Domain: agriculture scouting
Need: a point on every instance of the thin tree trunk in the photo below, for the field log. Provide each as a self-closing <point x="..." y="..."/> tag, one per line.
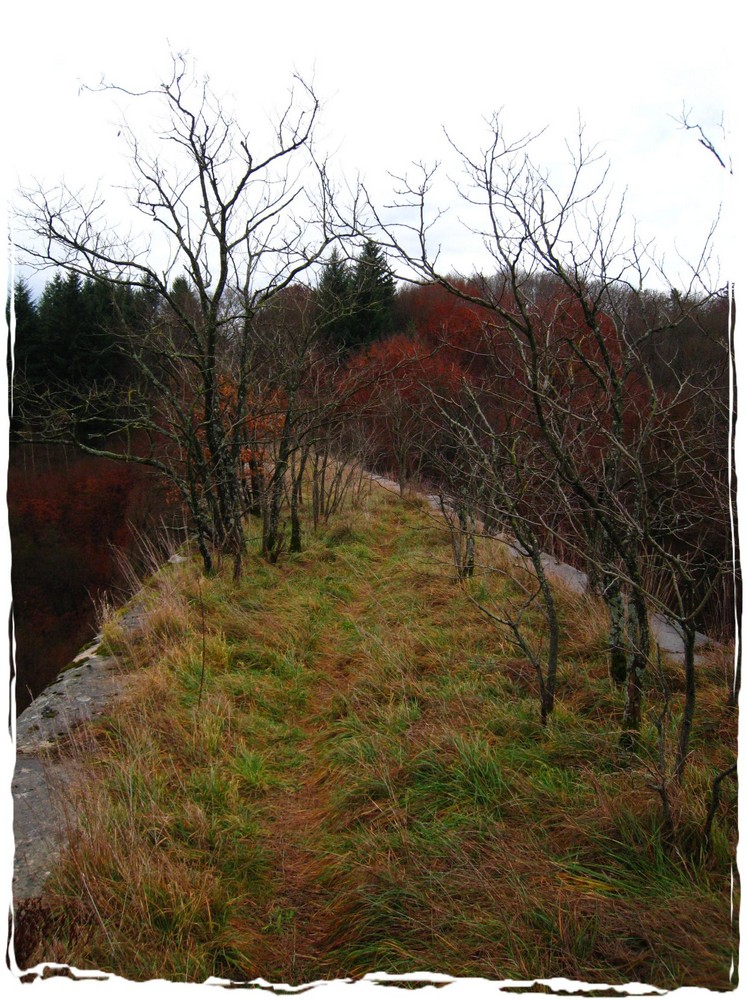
<point x="689" y="707"/>
<point x="636" y="670"/>
<point x="271" y="539"/>
<point x="613" y="597"/>
<point x="296" y="486"/>
<point x="547" y="684"/>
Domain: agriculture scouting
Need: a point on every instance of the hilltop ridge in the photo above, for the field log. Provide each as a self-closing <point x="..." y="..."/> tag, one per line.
<point x="337" y="765"/>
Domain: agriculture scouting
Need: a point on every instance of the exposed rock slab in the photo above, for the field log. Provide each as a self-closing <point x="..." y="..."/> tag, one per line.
<point x="42" y="777"/>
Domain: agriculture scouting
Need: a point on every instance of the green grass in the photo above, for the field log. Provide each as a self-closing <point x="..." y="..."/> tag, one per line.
<point x="337" y="765"/>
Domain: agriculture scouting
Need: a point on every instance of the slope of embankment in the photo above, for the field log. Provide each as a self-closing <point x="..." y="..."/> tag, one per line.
<point x="337" y="766"/>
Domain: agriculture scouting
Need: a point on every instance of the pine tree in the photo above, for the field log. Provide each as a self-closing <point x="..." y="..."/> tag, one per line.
<point x="374" y="291"/>
<point x="72" y="341"/>
<point x="26" y="332"/>
<point x="57" y="358"/>
<point x="23" y="352"/>
<point x="335" y="305"/>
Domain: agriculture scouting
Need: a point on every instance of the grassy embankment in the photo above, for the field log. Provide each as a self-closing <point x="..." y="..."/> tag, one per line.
<point x="361" y="783"/>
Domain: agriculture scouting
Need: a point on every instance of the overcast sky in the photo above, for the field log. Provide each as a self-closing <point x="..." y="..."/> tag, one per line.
<point x="392" y="76"/>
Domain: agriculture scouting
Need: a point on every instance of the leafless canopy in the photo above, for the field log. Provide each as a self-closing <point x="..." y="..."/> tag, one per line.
<point x="572" y="331"/>
<point x="223" y="230"/>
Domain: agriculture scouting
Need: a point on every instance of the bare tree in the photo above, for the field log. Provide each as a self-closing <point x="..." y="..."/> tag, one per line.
<point x="238" y="227"/>
<point x="689" y="500"/>
<point x="566" y="275"/>
<point x="494" y="471"/>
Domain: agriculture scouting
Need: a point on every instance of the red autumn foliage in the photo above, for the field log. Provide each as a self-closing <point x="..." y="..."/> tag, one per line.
<point x="405" y="366"/>
<point x="66" y="512"/>
<point x="441" y="319"/>
<point x="395" y="388"/>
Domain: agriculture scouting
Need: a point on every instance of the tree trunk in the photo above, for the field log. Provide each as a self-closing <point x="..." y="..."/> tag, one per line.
<point x="271" y="535"/>
<point x="296" y="487"/>
<point x="547" y="684"/>
<point x="689" y="666"/>
<point x="613" y="597"/>
<point x="638" y="620"/>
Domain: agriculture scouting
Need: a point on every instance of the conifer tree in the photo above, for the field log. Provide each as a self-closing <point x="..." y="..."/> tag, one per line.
<point x="26" y="333"/>
<point x="71" y="341"/>
<point x="24" y="344"/>
<point x="335" y="302"/>
<point x="374" y="291"/>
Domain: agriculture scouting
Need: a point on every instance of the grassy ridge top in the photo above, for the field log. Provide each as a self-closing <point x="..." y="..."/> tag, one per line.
<point x="337" y="766"/>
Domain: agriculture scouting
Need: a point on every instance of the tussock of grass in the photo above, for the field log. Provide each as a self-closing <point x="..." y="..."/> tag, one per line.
<point x="337" y="765"/>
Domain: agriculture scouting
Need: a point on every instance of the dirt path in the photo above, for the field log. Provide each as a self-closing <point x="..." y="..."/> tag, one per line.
<point x="300" y="921"/>
<point x="297" y="919"/>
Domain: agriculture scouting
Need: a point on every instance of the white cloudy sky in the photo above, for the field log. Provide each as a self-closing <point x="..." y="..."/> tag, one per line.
<point x="392" y="74"/>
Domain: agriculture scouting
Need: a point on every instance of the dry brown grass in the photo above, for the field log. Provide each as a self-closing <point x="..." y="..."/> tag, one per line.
<point x="362" y="782"/>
